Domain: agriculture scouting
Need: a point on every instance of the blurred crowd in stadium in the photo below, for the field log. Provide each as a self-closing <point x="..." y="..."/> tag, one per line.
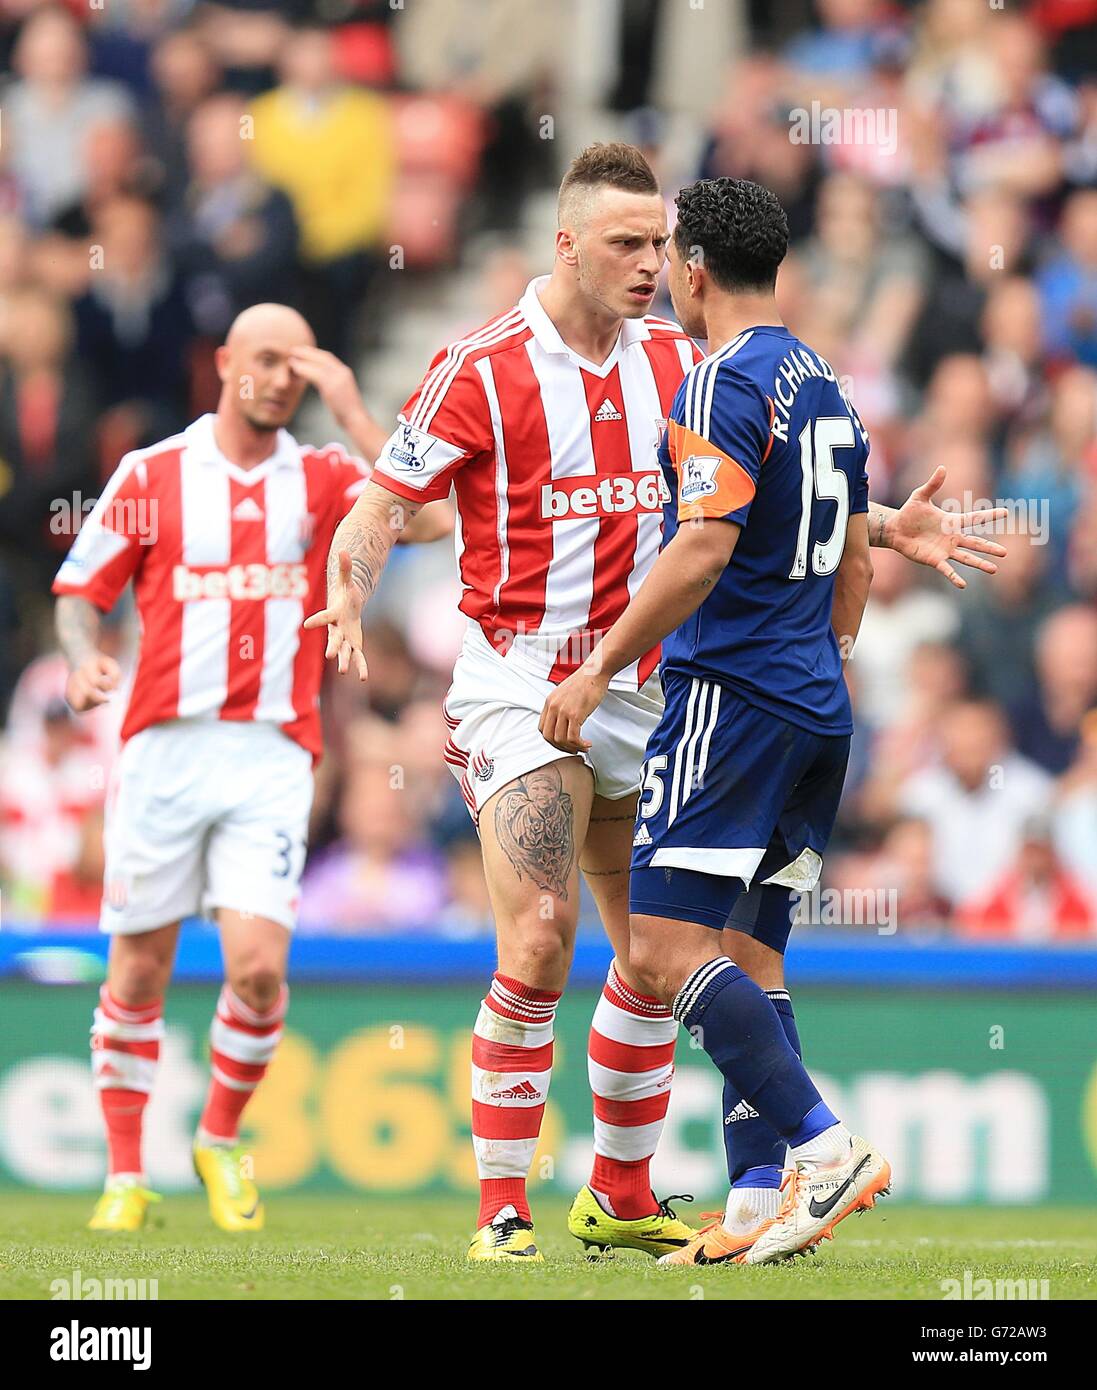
<point x="165" y="163"/>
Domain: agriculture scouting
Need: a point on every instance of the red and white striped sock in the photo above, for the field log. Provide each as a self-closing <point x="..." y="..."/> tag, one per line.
<point x="125" y="1048"/>
<point x="511" y="1068"/>
<point x="630" y="1062"/>
<point x="242" y="1043"/>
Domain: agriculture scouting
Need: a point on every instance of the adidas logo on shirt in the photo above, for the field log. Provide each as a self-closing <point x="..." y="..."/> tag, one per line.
<point x="247" y="509"/>
<point x="642" y="837"/>
<point x="607" y="411"/>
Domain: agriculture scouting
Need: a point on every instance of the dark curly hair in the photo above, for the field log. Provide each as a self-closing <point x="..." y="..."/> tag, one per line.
<point x="737" y="229"/>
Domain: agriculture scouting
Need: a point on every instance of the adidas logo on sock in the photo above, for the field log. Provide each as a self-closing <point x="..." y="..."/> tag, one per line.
<point x="607" y="411"/>
<point x="247" y="509"/>
<point x="642" y="837"/>
<point x="525" y="1090"/>
<point x="742" y="1111"/>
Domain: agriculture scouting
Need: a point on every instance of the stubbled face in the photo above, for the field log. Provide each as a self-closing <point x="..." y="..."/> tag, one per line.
<point x="619" y="241"/>
<point x="687" y="310"/>
<point x="263" y="388"/>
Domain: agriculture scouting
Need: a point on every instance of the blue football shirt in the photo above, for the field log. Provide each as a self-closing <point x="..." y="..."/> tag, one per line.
<point x="761" y="433"/>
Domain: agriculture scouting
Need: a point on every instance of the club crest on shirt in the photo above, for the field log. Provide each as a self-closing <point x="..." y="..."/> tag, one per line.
<point x="306" y="529"/>
<point x="698" y="477"/>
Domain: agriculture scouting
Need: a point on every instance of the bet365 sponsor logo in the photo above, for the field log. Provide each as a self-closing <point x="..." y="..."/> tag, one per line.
<point x="240" y="582"/>
<point x="603" y="494"/>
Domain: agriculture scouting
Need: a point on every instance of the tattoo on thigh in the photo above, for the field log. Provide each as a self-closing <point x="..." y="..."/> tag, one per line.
<point x="533" y="821"/>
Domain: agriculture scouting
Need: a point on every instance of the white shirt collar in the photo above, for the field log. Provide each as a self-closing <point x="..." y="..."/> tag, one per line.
<point x="202" y="446"/>
<point x="548" y="335"/>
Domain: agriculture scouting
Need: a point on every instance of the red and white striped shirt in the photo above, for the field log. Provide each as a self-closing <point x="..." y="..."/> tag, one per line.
<point x="226" y="563"/>
<point x="553" y="460"/>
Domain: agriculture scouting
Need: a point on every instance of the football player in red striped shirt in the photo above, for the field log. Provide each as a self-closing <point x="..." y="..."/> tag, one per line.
<point x="546" y="423"/>
<point x="224" y="530"/>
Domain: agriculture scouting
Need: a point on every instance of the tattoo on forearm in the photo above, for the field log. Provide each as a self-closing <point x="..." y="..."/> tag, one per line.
<point x="877" y="522"/>
<point x="369" y="548"/>
<point x="77" y="625"/>
<point x="533" y="823"/>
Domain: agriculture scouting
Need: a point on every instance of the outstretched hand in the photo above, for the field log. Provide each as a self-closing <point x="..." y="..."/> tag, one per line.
<point x="927" y="534"/>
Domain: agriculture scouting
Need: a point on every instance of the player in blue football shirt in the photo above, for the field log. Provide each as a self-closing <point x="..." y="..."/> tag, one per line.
<point x="758" y="593"/>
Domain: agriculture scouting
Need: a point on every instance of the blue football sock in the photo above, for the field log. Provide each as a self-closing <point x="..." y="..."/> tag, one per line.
<point x="755" y="1151"/>
<point x="818" y="1118"/>
<point x="740" y="1030"/>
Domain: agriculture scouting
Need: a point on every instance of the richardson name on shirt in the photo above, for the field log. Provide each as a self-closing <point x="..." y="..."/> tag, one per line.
<point x="605" y="494"/>
<point x="253" y="581"/>
<point x="796" y="367"/>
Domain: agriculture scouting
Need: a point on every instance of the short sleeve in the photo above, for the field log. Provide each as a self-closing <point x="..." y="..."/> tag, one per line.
<point x="444" y="424"/>
<point x="858" y="500"/>
<point x="111" y="544"/>
<point x="719" y="444"/>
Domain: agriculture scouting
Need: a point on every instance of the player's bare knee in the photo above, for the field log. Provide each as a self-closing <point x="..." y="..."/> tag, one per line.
<point x="538" y="951"/>
<point x="138" y="971"/>
<point x="136" y="983"/>
<point x="542" y="962"/>
<point x="647" y="960"/>
<point x="258" y="983"/>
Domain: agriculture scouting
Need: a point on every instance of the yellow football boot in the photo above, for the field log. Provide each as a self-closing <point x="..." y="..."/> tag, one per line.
<point x="122" y="1207"/>
<point x="658" y="1234"/>
<point x="224" y="1170"/>
<point x="506" y="1237"/>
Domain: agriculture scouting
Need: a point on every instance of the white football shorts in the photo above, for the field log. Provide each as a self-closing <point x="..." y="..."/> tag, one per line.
<point x="202" y="814"/>
<point x="494" y="706"/>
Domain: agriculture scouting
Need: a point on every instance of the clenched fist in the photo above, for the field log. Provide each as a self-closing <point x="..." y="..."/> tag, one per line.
<point x="91" y="683"/>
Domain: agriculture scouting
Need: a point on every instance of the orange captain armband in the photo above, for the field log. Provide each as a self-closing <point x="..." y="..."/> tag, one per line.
<point x="710" y="482"/>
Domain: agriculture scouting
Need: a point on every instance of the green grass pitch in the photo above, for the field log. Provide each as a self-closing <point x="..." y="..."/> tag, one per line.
<point x="342" y="1247"/>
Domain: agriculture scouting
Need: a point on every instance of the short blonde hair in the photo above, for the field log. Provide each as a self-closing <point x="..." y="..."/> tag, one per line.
<point x="614" y="165"/>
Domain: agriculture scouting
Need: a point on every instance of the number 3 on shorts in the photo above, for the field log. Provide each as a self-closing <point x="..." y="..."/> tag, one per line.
<point x="284" y="866"/>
